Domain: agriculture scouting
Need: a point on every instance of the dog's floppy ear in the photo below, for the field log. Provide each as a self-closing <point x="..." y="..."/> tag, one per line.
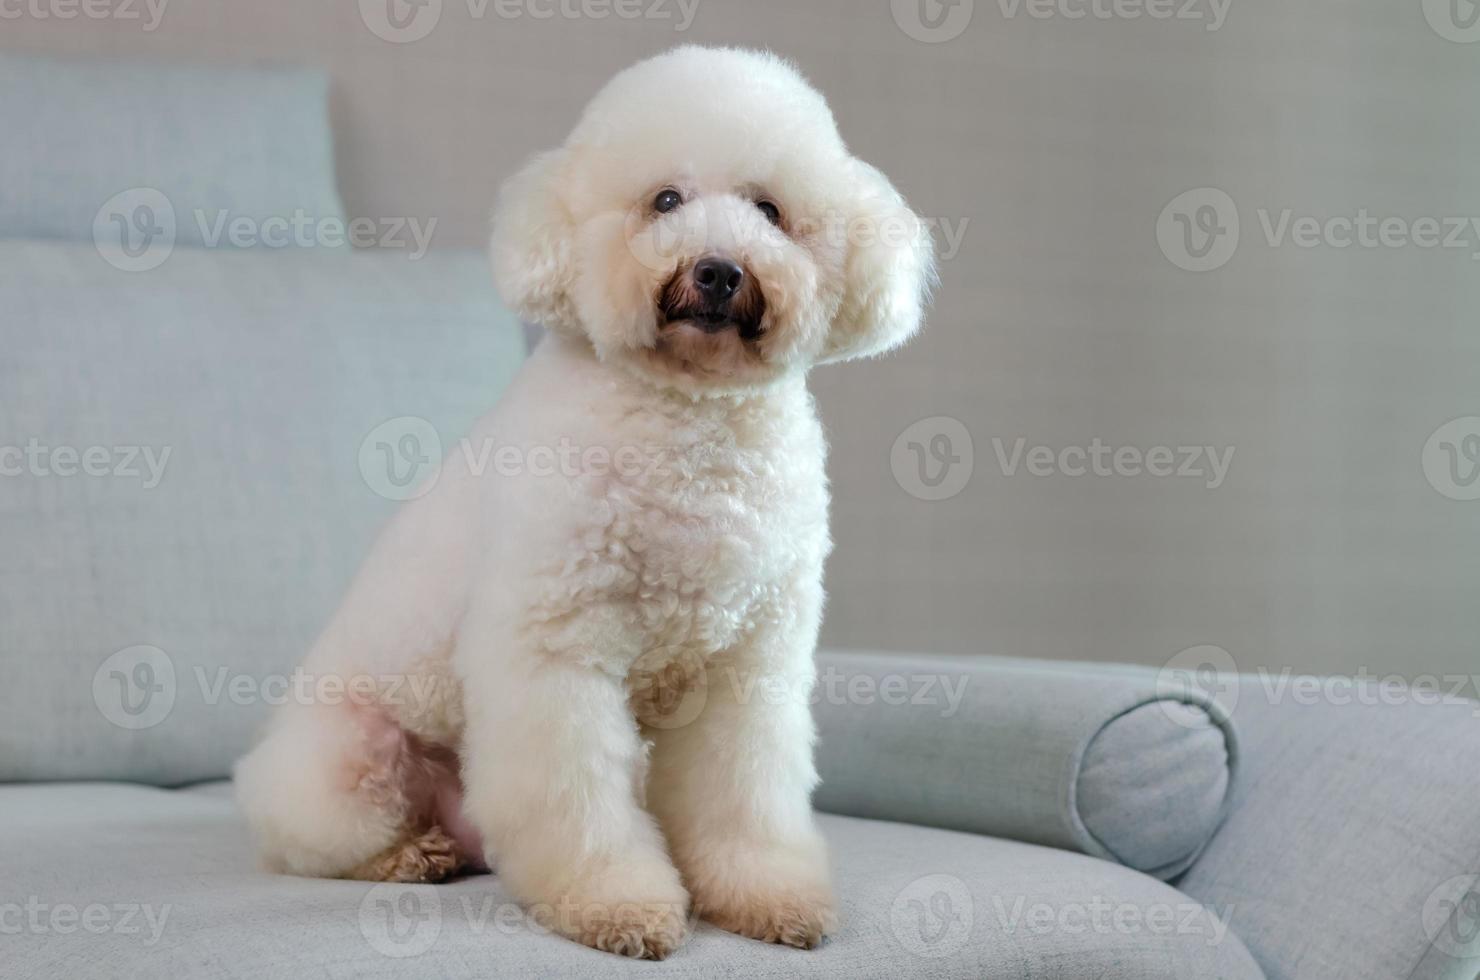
<point x="888" y="273"/>
<point x="531" y="250"/>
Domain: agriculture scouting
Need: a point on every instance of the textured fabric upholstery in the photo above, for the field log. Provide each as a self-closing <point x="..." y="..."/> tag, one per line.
<point x="1352" y="848"/>
<point x="267" y="378"/>
<point x="914" y="902"/>
<point x="190" y="144"/>
<point x="1095" y="759"/>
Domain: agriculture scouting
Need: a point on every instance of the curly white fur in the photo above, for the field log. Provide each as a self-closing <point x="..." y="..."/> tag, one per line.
<point x="608" y="660"/>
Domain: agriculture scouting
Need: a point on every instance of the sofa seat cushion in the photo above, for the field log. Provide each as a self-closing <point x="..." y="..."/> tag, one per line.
<point x="117" y="881"/>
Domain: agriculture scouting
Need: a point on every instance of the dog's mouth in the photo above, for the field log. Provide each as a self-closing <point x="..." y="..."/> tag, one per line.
<point x="679" y="303"/>
<point x="714" y="322"/>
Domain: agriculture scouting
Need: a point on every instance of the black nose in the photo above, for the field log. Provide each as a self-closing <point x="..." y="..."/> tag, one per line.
<point x="717" y="279"/>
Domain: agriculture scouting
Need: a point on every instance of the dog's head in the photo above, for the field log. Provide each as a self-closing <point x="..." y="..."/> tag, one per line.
<point x="705" y="225"/>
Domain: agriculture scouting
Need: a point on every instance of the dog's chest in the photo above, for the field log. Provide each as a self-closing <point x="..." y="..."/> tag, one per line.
<point x="720" y="538"/>
<point x="714" y="532"/>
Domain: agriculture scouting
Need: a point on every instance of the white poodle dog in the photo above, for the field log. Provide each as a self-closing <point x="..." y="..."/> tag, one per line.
<point x="584" y="656"/>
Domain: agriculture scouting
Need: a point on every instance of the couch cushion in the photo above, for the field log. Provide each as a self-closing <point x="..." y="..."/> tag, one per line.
<point x="185" y="143"/>
<point x="193" y="461"/>
<point x="1102" y="759"/>
<point x="915" y="902"/>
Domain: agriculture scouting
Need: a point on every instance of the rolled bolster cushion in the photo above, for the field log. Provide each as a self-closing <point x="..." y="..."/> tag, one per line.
<point x="1094" y="758"/>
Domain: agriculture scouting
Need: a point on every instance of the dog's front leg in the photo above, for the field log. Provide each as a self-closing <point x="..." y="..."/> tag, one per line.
<point x="552" y="758"/>
<point x="732" y="790"/>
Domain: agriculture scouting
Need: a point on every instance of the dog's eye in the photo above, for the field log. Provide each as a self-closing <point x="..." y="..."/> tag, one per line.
<point x="770" y="210"/>
<point x="667" y="200"/>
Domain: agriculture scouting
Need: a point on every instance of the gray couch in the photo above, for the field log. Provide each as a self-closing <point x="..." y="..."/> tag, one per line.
<point x="198" y="439"/>
<point x="1341" y="854"/>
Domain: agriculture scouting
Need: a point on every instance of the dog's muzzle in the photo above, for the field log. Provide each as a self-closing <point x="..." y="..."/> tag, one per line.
<point x="714" y="294"/>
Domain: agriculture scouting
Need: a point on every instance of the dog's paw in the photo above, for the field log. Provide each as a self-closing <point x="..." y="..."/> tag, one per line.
<point x="428" y="858"/>
<point x="632" y="908"/>
<point x="790" y="918"/>
<point x="771" y="894"/>
<point x="643" y="931"/>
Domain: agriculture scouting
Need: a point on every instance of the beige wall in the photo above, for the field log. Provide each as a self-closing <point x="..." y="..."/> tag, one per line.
<point x="1056" y="143"/>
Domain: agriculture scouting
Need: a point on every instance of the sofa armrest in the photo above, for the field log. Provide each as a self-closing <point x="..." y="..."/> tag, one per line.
<point x="1352" y="844"/>
<point x="1091" y="758"/>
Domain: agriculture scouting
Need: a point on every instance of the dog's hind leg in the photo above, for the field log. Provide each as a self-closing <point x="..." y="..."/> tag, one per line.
<point x="343" y="791"/>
